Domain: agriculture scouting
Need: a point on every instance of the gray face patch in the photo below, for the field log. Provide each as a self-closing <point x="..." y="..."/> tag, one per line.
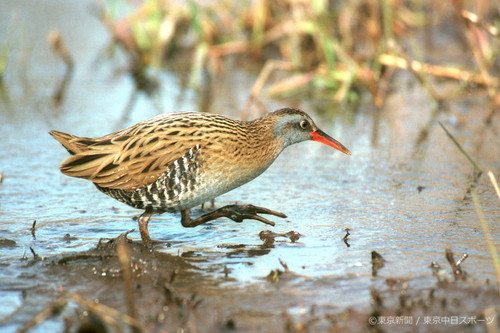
<point x="294" y="128"/>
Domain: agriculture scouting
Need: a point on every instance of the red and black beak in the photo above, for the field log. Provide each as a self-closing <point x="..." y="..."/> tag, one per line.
<point x="320" y="136"/>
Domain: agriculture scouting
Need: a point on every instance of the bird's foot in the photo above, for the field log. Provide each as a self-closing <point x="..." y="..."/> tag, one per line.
<point x="238" y="213"/>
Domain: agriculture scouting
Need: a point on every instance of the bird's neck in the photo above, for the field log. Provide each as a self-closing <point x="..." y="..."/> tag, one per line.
<point x="262" y="139"/>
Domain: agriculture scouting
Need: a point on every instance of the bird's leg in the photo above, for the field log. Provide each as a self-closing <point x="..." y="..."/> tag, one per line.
<point x="237" y="213"/>
<point x="212" y="204"/>
<point x="143" y="227"/>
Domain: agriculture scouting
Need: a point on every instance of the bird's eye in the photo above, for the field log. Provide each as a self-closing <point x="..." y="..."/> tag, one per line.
<point x="304" y="124"/>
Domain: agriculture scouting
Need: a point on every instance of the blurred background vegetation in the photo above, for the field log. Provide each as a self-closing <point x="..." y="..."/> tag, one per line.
<point x="332" y="49"/>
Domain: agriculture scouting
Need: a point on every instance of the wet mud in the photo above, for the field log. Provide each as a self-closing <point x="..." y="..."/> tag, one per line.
<point x="121" y="285"/>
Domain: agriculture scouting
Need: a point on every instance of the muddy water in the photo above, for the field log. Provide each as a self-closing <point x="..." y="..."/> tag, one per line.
<point x="404" y="198"/>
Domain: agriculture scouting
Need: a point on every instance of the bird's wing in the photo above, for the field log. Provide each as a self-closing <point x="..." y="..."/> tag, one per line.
<point x="131" y="158"/>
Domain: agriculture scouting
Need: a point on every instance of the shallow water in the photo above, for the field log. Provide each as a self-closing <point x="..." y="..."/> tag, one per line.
<point x="407" y="201"/>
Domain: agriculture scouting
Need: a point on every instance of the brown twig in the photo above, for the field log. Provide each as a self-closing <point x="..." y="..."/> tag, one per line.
<point x="346" y="237"/>
<point x="455" y="265"/>
<point x="275" y="274"/>
<point x="33" y="228"/>
<point x="35" y="255"/>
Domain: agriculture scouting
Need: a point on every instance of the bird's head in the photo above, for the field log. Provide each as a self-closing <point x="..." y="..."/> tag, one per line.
<point x="294" y="126"/>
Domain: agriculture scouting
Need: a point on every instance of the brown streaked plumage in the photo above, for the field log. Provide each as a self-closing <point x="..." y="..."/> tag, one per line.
<point x="174" y="162"/>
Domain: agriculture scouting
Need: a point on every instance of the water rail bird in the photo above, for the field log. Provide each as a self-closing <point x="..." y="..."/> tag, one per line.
<point x="176" y="161"/>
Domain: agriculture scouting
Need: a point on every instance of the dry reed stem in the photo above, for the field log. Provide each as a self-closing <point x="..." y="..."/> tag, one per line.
<point x="474" y="19"/>
<point x="232" y="47"/>
<point x="48" y="312"/>
<point x="269" y="67"/>
<point x="494" y="183"/>
<point x="487" y="235"/>
<point x="479" y="46"/>
<point x="435" y="70"/>
<point x="290" y="83"/>
<point x="108" y="314"/>
<point x="476" y="166"/>
<point x="57" y="44"/>
<point x="123" y="254"/>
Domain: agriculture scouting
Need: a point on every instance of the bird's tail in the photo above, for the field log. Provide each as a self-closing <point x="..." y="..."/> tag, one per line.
<point x="89" y="156"/>
<point x="72" y="143"/>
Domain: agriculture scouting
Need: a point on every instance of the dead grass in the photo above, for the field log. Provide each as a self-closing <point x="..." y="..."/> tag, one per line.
<point x="335" y="48"/>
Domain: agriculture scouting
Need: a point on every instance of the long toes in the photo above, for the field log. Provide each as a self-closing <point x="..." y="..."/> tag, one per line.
<point x="262" y="210"/>
<point x="238" y="214"/>
<point x="259" y="218"/>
